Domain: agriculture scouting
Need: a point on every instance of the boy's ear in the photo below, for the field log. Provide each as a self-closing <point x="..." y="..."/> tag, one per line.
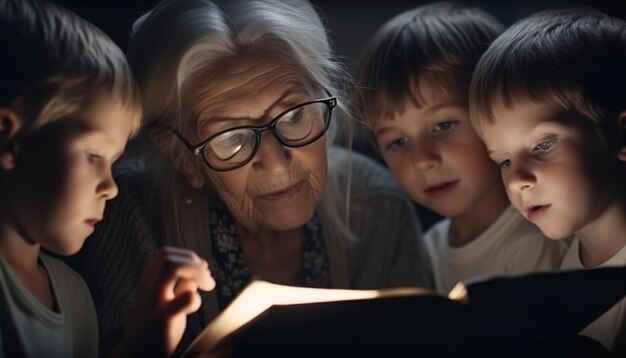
<point x="188" y="167"/>
<point x="621" y="152"/>
<point x="9" y="126"/>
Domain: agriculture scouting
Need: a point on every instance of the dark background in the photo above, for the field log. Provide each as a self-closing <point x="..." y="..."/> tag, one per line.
<point x="350" y="22"/>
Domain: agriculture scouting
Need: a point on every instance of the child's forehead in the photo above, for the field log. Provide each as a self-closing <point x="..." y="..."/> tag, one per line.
<point x="523" y="109"/>
<point x="111" y="106"/>
<point x="433" y="87"/>
<point x="108" y="114"/>
<point x="427" y="93"/>
<point x="498" y="111"/>
<point x="529" y="115"/>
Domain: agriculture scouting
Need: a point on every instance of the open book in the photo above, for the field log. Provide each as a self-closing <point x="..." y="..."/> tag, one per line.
<point x="493" y="312"/>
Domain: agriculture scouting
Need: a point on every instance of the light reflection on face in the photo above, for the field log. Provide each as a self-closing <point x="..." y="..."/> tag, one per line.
<point x="280" y="188"/>
<point x="435" y="155"/>
<point x="63" y="175"/>
<point x="552" y="169"/>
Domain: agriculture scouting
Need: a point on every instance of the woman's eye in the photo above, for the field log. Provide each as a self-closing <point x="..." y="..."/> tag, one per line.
<point x="545" y="146"/>
<point x="445" y="126"/>
<point x="293" y="116"/>
<point x="227" y="145"/>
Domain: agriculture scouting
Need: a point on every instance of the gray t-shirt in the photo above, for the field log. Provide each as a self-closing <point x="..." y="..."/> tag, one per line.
<point x="510" y="245"/>
<point x="29" y="329"/>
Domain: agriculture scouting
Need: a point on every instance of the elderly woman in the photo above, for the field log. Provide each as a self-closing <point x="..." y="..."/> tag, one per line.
<point x="242" y="100"/>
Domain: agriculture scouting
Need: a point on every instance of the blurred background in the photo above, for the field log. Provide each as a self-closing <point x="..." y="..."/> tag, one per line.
<point x="351" y="23"/>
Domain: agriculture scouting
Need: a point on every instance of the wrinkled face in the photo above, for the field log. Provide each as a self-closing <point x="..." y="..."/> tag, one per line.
<point x="280" y="188"/>
<point x="62" y="175"/>
<point x="435" y="155"/>
<point x="555" y="172"/>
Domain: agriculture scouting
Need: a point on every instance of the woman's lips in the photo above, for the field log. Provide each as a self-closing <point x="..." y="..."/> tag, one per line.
<point x="441" y="189"/>
<point x="283" y="194"/>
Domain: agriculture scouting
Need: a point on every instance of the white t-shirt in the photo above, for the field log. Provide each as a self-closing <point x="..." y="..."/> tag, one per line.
<point x="608" y="325"/>
<point x="29" y="329"/>
<point x="510" y="245"/>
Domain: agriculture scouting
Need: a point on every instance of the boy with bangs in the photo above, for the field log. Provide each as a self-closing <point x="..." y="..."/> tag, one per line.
<point x="415" y="75"/>
<point x="549" y="101"/>
<point x="68" y="105"/>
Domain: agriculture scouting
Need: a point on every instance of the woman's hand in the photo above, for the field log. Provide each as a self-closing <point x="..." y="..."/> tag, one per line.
<point x="167" y="293"/>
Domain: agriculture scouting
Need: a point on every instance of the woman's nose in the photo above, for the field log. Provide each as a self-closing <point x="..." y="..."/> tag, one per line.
<point x="272" y="155"/>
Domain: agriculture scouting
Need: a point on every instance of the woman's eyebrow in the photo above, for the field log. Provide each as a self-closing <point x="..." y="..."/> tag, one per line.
<point x="289" y="98"/>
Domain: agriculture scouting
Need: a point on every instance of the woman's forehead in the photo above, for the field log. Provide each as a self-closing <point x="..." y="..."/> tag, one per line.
<point x="248" y="72"/>
<point x="247" y="78"/>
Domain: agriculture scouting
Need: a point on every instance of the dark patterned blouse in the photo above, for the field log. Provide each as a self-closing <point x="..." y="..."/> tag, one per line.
<point x="230" y="269"/>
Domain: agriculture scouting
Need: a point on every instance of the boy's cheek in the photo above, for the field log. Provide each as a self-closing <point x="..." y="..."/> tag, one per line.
<point x="514" y="200"/>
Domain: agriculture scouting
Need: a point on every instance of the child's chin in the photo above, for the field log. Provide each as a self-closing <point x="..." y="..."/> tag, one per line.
<point x="555" y="234"/>
<point x="69" y="250"/>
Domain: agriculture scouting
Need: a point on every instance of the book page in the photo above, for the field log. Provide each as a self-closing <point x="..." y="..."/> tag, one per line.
<point x="259" y="295"/>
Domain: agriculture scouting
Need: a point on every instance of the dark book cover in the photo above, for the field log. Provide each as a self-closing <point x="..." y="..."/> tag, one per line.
<point x="512" y="315"/>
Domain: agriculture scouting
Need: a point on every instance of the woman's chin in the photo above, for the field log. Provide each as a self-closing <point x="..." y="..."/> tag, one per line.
<point x="282" y="221"/>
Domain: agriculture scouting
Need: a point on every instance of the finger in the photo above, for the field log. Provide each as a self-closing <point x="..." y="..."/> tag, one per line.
<point x="169" y="252"/>
<point x="175" y="268"/>
<point x="185" y="303"/>
<point x="173" y="263"/>
<point x="172" y="250"/>
<point x="184" y="285"/>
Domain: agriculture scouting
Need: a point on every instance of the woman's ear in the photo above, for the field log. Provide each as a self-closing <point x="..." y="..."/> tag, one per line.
<point x="621" y="151"/>
<point x="9" y="126"/>
<point x="187" y="166"/>
<point x="191" y="170"/>
<point x="156" y="135"/>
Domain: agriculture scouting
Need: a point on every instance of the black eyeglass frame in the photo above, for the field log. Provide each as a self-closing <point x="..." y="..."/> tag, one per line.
<point x="198" y="149"/>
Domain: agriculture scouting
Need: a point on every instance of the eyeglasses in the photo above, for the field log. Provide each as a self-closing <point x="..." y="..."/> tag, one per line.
<point x="235" y="147"/>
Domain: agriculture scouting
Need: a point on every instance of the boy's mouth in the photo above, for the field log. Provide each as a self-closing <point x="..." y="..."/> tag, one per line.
<point x="534" y="212"/>
<point x="92" y="222"/>
<point x="441" y="189"/>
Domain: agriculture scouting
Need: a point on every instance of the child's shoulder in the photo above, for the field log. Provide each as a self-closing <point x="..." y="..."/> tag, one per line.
<point x="71" y="292"/>
<point x="61" y="275"/>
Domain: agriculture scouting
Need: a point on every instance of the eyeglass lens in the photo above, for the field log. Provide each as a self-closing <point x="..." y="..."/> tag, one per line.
<point x="298" y="127"/>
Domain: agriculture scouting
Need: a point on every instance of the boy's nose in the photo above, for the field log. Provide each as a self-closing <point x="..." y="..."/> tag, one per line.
<point x="518" y="178"/>
<point x="425" y="156"/>
<point x="107" y="187"/>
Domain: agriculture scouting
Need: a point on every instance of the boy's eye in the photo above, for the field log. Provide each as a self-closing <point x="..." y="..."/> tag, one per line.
<point x="93" y="157"/>
<point x="504" y="164"/>
<point x="444" y="126"/>
<point x="545" y="146"/>
<point x="397" y="144"/>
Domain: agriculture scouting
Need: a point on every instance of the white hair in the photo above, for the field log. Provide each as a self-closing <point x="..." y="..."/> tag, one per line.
<point x="173" y="42"/>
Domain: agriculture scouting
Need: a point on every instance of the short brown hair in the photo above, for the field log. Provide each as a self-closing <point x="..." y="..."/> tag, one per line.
<point x="443" y="39"/>
<point x="572" y="59"/>
<point x="55" y="63"/>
